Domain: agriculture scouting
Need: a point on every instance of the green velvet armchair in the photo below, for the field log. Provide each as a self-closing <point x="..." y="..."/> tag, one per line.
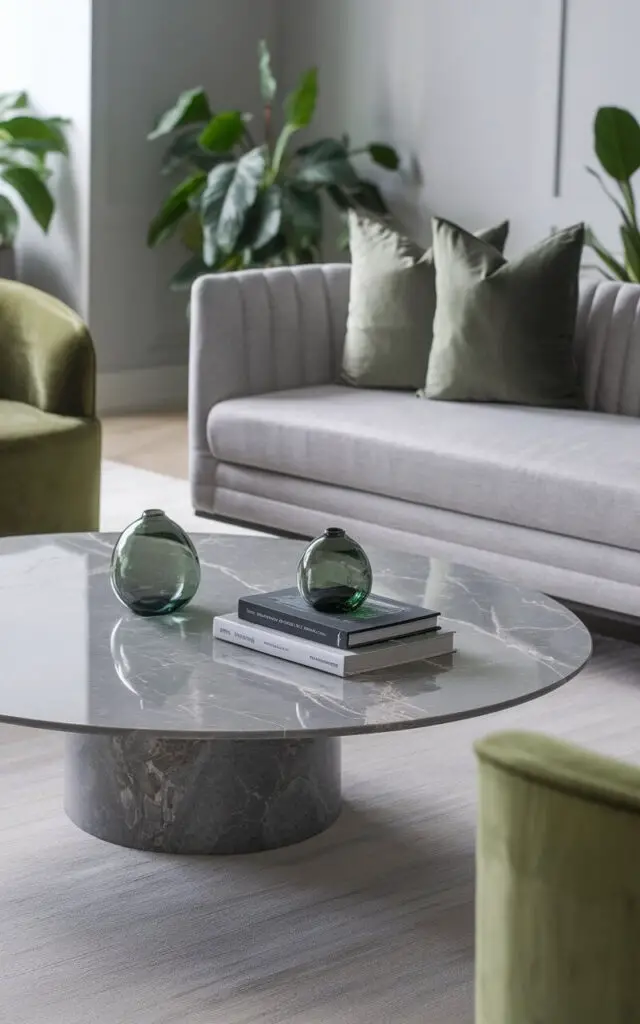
<point x="558" y="885"/>
<point x="49" y="434"/>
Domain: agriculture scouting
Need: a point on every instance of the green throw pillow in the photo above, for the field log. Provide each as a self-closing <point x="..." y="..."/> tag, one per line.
<point x="503" y="332"/>
<point x="392" y="302"/>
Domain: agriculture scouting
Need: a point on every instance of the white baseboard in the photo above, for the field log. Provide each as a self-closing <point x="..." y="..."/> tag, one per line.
<point x="150" y="390"/>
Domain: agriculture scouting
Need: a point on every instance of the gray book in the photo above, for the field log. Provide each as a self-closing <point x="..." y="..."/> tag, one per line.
<point x="388" y="654"/>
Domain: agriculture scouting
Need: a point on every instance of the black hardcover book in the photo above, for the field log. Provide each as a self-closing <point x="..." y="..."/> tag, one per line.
<point x="379" y="618"/>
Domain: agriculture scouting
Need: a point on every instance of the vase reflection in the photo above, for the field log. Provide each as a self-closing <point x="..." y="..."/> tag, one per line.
<point x="157" y="660"/>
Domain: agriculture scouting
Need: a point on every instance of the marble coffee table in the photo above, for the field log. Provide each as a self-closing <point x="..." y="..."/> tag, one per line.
<point x="183" y="744"/>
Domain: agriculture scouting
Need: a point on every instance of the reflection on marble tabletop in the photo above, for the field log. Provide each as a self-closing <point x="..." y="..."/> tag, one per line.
<point x="70" y="658"/>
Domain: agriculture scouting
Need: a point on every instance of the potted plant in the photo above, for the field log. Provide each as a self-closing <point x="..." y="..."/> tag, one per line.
<point x="244" y="201"/>
<point x="26" y="141"/>
<point x="616" y="135"/>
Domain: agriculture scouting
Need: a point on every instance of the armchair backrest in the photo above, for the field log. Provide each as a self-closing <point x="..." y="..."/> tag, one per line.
<point x="557" y="884"/>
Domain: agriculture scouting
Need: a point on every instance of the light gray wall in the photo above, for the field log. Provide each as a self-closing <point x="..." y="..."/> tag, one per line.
<point x="145" y="53"/>
<point x="47" y="51"/>
<point x="468" y="91"/>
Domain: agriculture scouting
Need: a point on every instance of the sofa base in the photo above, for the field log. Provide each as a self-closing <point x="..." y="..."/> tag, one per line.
<point x="584" y="573"/>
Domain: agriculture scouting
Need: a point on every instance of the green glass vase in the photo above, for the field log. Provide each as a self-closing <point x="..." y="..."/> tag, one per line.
<point x="334" y="573"/>
<point x="155" y="569"/>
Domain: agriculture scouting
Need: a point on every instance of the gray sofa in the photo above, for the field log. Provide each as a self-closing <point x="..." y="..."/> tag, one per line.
<point x="547" y="497"/>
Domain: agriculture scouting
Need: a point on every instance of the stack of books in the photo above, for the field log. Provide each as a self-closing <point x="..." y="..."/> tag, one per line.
<point x="382" y="633"/>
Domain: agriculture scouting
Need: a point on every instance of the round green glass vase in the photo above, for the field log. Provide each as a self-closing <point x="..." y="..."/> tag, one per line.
<point x="334" y="573"/>
<point x="155" y="569"/>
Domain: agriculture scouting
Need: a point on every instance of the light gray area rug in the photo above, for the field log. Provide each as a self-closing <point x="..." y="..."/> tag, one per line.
<point x="371" y="922"/>
<point x="127" y="491"/>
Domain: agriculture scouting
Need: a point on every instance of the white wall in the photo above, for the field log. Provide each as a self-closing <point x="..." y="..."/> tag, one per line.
<point x="601" y="70"/>
<point x="468" y="92"/>
<point x="47" y="51"/>
<point x="144" y="54"/>
<point x="112" y="66"/>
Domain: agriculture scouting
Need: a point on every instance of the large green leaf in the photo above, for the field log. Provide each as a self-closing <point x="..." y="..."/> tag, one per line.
<point x="185" y="150"/>
<point x="302" y="212"/>
<point x="34" y="133"/>
<point x="174" y="208"/>
<point x="617" y="142"/>
<point x="33" y="192"/>
<point x="13" y="101"/>
<point x="270" y="255"/>
<point x="11" y="155"/>
<point x="323" y="163"/>
<point x="8" y="221"/>
<point x="241" y="195"/>
<point x="339" y="198"/>
<point x="384" y="155"/>
<point x="190" y="232"/>
<point x="211" y="203"/>
<point x="191" y="107"/>
<point x="192" y="269"/>
<point x="300" y="105"/>
<point x="323" y="149"/>
<point x="617" y="269"/>
<point x="268" y="85"/>
<point x="631" y="245"/>
<point x="209" y="244"/>
<point x="214" y="194"/>
<point x="263" y="220"/>
<point x="367" y="196"/>
<point x="223" y="131"/>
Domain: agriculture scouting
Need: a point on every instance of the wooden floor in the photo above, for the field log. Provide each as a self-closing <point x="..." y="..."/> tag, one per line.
<point x="157" y="442"/>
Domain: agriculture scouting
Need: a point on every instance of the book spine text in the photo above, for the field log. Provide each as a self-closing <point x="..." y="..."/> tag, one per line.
<point x="291" y="624"/>
<point x="280" y="647"/>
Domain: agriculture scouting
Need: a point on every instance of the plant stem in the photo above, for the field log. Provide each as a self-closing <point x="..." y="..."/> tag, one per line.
<point x="627" y="192"/>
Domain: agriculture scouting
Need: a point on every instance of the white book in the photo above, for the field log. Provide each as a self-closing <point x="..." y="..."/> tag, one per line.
<point x="338" y="662"/>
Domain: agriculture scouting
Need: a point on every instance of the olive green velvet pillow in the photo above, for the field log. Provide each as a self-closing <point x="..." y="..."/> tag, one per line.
<point x="503" y="332"/>
<point x="391" y="305"/>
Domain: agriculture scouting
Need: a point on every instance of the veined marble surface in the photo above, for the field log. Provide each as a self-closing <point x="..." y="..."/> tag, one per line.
<point x="72" y="657"/>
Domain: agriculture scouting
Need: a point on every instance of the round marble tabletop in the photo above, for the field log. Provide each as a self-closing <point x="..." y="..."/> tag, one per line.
<point x="73" y="658"/>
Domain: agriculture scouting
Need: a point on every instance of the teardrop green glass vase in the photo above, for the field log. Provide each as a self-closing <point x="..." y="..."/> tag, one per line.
<point x="155" y="569"/>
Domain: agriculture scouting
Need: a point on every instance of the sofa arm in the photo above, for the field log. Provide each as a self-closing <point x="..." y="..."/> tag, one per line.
<point x="46" y="354"/>
<point x="607" y="346"/>
<point x="558" y="886"/>
<point x="257" y="331"/>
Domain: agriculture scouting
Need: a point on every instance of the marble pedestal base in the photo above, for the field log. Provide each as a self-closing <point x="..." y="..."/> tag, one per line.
<point x="201" y="796"/>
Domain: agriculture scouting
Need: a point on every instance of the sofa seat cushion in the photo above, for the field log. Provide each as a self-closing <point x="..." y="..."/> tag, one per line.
<point x="566" y="471"/>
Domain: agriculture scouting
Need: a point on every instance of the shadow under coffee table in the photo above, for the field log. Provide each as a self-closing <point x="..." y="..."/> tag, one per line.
<point x="182" y="744"/>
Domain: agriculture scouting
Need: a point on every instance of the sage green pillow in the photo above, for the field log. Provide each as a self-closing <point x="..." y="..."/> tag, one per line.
<point x="392" y="301"/>
<point x="503" y="332"/>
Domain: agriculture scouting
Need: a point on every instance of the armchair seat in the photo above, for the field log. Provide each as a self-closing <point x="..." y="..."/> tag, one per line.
<point x="48" y="465"/>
